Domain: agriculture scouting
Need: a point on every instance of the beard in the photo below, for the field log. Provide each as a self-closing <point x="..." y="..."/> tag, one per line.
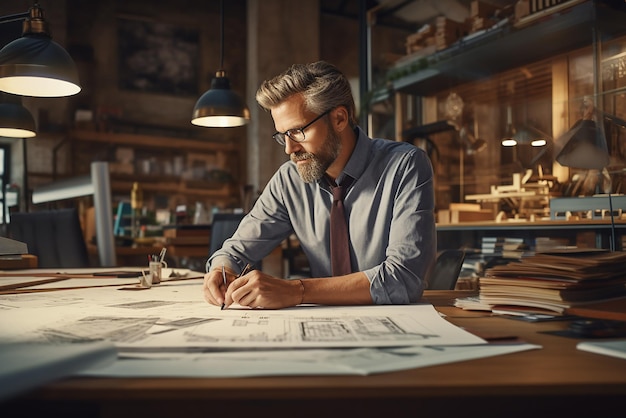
<point x="317" y="163"/>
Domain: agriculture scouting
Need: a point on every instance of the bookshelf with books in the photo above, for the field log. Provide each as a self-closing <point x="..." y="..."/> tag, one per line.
<point x="171" y="170"/>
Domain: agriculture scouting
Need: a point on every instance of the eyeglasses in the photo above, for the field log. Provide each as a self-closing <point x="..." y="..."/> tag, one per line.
<point x="296" y="134"/>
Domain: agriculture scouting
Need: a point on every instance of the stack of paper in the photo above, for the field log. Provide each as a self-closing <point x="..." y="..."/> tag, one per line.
<point x="554" y="281"/>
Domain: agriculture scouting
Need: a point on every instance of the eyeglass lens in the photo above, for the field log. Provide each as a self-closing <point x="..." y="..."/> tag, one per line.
<point x="296" y="134"/>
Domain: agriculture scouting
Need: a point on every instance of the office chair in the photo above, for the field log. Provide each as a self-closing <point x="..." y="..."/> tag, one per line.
<point x="297" y="263"/>
<point x="223" y="227"/>
<point x="445" y="272"/>
<point x="54" y="236"/>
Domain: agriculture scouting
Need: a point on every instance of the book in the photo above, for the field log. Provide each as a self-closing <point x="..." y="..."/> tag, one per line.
<point x="505" y="247"/>
<point x="614" y="348"/>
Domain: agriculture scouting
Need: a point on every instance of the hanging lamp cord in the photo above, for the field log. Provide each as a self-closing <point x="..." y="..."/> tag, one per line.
<point x="221" y="35"/>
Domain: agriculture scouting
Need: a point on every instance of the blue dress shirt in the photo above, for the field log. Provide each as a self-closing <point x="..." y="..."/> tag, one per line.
<point x="390" y="206"/>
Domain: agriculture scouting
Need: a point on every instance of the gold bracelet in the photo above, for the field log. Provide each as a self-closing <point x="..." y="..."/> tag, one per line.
<point x="302" y="287"/>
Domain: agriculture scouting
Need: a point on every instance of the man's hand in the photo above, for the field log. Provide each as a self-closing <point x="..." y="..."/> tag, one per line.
<point x="214" y="288"/>
<point x="259" y="290"/>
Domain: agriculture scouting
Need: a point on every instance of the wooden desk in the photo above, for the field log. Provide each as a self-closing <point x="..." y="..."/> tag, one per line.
<point x="25" y="261"/>
<point x="556" y="381"/>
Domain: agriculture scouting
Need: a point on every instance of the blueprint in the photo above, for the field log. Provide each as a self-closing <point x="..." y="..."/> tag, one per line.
<point x="170" y="331"/>
<point x="311" y="328"/>
<point x="173" y="316"/>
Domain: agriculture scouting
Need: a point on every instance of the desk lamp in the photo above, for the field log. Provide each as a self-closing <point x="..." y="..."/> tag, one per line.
<point x="220" y="106"/>
<point x="15" y="120"/>
<point x="584" y="146"/>
<point x="35" y="65"/>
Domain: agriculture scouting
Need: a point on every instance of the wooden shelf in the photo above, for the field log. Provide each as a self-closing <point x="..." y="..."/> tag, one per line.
<point x="173" y="187"/>
<point x="536" y="225"/>
<point x="149" y="141"/>
<point x="584" y="233"/>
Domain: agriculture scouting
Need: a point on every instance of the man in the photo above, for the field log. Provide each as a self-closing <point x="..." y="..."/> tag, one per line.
<point x="389" y="205"/>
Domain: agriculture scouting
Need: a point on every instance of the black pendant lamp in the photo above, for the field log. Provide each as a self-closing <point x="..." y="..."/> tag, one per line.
<point x="220" y="107"/>
<point x="15" y="120"/>
<point x="35" y="65"/>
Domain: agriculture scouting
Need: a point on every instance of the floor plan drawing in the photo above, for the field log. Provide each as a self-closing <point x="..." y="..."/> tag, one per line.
<point x="174" y="317"/>
<point x="235" y="329"/>
<point x="170" y="330"/>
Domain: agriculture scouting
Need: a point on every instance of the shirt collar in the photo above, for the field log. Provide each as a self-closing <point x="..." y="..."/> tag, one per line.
<point x="358" y="160"/>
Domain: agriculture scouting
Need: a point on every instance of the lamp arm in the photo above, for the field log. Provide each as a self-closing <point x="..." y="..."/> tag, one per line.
<point x="14" y="17"/>
<point x="34" y="22"/>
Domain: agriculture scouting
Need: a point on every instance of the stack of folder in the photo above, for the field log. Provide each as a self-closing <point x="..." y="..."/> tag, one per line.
<point x="554" y="281"/>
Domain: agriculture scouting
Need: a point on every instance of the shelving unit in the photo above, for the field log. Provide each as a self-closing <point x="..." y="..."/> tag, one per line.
<point x="180" y="170"/>
<point x="505" y="47"/>
<point x="470" y="234"/>
<point x="541" y="66"/>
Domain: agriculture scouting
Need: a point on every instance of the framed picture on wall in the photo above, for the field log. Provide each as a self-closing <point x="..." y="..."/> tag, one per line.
<point x="157" y="57"/>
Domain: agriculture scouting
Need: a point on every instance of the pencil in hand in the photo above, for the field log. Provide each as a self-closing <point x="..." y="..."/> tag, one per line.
<point x="225" y="284"/>
<point x="245" y="270"/>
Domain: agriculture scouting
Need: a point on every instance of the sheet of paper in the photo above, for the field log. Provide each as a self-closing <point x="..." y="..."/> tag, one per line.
<point x="85" y="282"/>
<point x="169" y="330"/>
<point x="357" y="361"/>
<point x="51" y="279"/>
<point x="614" y="348"/>
<point x="303" y="327"/>
<point x="174" y="316"/>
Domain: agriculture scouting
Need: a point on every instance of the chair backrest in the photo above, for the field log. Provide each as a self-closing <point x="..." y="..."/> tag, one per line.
<point x="445" y="272"/>
<point x="223" y="227"/>
<point x="54" y="236"/>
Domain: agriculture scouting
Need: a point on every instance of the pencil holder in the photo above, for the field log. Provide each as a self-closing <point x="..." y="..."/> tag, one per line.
<point x="156" y="269"/>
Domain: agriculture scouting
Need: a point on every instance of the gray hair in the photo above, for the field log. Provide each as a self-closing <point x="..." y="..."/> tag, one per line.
<point x="323" y="86"/>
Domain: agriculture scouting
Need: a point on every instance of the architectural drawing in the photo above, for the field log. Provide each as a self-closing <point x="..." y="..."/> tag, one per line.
<point x="236" y="329"/>
<point x="173" y="317"/>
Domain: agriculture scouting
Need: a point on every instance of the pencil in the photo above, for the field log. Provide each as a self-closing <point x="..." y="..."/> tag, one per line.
<point x="225" y="284"/>
<point x="244" y="271"/>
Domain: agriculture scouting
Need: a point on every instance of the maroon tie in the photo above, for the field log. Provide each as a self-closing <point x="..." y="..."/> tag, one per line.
<point x="339" y="237"/>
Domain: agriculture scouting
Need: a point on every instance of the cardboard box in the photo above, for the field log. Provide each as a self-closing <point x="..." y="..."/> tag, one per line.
<point x="482" y="9"/>
<point x="464" y="212"/>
